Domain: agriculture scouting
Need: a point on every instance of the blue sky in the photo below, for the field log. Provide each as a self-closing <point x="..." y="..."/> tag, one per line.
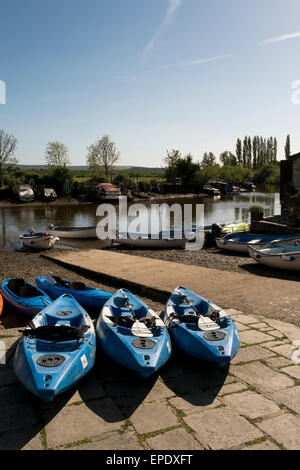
<point x="153" y="74"/>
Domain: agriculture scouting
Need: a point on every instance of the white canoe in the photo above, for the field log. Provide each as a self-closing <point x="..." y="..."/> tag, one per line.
<point x="38" y="241"/>
<point x="280" y="255"/>
<point x="72" y="232"/>
<point x="151" y="243"/>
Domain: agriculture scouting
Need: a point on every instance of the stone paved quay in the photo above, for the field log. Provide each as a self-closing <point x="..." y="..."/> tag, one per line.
<point x="189" y="406"/>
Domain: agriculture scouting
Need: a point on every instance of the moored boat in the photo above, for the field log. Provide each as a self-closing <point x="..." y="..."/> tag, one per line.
<point x="239" y="241"/>
<point x="56" y="350"/>
<point x="201" y="329"/>
<point x="23" y="297"/>
<point x="163" y="240"/>
<point x="283" y="254"/>
<point x="90" y="298"/>
<point x="38" y="240"/>
<point x="26" y="193"/>
<point x="133" y="335"/>
<point x="72" y="232"/>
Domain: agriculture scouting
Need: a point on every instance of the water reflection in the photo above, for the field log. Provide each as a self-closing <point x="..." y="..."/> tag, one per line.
<point x="15" y="220"/>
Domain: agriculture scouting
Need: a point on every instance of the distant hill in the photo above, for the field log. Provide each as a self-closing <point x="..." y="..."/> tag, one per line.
<point x="85" y="168"/>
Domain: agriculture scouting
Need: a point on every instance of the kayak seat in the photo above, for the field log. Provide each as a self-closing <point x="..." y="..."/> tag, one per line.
<point x="56" y="333"/>
<point x="186" y="318"/>
<point x="22" y="289"/>
<point x="77" y="285"/>
<point x="60" y="281"/>
<point x="123" y="320"/>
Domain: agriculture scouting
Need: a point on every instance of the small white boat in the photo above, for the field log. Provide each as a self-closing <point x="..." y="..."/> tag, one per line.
<point x="26" y="193"/>
<point x="284" y="254"/>
<point x="38" y="240"/>
<point x="150" y="241"/>
<point x="72" y="232"/>
<point x="239" y="241"/>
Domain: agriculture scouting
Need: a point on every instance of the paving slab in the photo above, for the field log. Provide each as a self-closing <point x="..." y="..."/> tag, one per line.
<point x="278" y="361"/>
<point x="291" y="331"/>
<point x="133" y="393"/>
<point x="284" y="429"/>
<point x="114" y="441"/>
<point x="251" y="353"/>
<point x="251" y="404"/>
<point x="241" y="327"/>
<point x="290" y="398"/>
<point x="265" y="445"/>
<point x="232" y="388"/>
<point x="163" y="276"/>
<point x="294" y="371"/>
<point x="177" y="439"/>
<point x="153" y="417"/>
<point x="193" y="403"/>
<point x="262" y="376"/>
<point x="74" y="423"/>
<point x="254" y="337"/>
<point x="283" y="350"/>
<point x="222" y="428"/>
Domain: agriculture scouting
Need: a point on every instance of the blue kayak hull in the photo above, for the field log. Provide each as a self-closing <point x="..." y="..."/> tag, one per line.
<point x="28" y="306"/>
<point x="191" y="339"/>
<point x="91" y="299"/>
<point x="118" y="342"/>
<point x="77" y="356"/>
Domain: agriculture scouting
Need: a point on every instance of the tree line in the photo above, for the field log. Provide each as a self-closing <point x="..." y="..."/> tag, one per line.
<point x="101" y="155"/>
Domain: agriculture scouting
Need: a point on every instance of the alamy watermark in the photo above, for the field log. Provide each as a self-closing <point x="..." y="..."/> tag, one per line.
<point x="152" y="222"/>
<point x="2" y="92"/>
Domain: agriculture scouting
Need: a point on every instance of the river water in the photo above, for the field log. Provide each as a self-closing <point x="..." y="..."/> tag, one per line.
<point x="15" y="220"/>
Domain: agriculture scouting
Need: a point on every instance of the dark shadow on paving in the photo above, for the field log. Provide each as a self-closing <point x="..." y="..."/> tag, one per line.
<point x="22" y="416"/>
<point x="121" y="387"/>
<point x="198" y="382"/>
<point x="265" y="271"/>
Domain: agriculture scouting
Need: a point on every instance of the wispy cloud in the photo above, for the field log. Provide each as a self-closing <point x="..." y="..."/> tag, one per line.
<point x="199" y="61"/>
<point x="284" y="37"/>
<point x="165" y="24"/>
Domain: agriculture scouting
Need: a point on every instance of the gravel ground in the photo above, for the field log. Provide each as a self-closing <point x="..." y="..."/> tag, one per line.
<point x="30" y="265"/>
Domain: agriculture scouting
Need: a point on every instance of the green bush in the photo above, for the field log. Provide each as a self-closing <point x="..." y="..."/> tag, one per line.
<point x="257" y="212"/>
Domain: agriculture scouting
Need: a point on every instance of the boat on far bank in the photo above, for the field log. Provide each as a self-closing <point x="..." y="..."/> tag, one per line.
<point x="26" y="193"/>
<point x="72" y="232"/>
<point x="210" y="191"/>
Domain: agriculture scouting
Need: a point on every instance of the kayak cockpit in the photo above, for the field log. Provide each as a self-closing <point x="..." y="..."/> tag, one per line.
<point x="22" y="288"/>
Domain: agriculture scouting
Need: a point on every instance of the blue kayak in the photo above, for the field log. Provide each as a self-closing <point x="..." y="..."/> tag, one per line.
<point x="200" y="328"/>
<point x="90" y="298"/>
<point x="56" y="350"/>
<point x="23" y="297"/>
<point x="133" y="335"/>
